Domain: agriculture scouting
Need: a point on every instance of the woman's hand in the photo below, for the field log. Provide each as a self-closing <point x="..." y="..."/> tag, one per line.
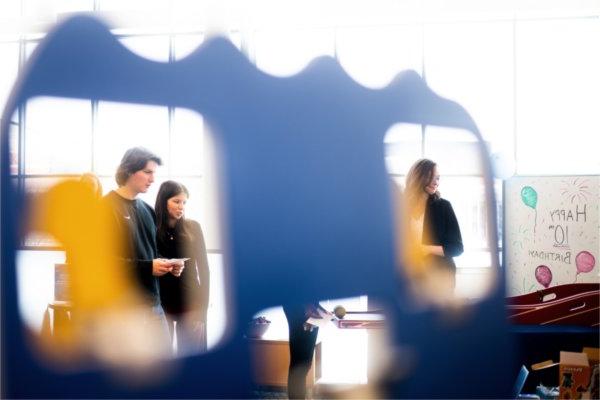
<point x="177" y="267"/>
<point x="160" y="266"/>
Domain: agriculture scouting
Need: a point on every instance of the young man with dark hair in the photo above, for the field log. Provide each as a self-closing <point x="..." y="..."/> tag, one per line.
<point x="135" y="219"/>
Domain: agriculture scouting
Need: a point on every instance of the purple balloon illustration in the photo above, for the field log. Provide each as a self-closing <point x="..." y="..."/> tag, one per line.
<point x="584" y="262"/>
<point x="543" y="275"/>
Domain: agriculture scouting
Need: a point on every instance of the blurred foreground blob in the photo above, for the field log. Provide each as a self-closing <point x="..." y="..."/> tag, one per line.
<point x="108" y="324"/>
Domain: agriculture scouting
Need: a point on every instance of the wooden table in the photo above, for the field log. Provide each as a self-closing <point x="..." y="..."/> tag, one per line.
<point x="271" y="359"/>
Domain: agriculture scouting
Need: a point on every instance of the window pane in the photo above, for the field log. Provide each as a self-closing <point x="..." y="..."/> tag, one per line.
<point x="374" y="56"/>
<point x="72" y="6"/>
<point x="186" y="44"/>
<point x="212" y="201"/>
<point x="58" y="136"/>
<point x="151" y="47"/>
<point x="558" y="88"/>
<point x="472" y="63"/>
<point x="29" y="48"/>
<point x="34" y="187"/>
<point x="108" y="183"/>
<point x="217" y="307"/>
<point x="121" y="126"/>
<point x="35" y="283"/>
<point x="39" y="11"/>
<point x="467" y="195"/>
<point x="161" y="6"/>
<point x="287" y="52"/>
<point x="455" y="150"/>
<point x="14" y="146"/>
<point x="9" y="67"/>
<point x="187" y="143"/>
<point x="236" y="39"/>
<point x="10" y="9"/>
<point x="403" y="146"/>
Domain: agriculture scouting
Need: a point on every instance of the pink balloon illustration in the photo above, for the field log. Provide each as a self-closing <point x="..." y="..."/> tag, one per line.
<point x="543" y="275"/>
<point x="584" y="262"/>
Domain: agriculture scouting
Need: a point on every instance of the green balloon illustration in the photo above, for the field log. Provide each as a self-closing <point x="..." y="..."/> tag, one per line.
<point x="529" y="196"/>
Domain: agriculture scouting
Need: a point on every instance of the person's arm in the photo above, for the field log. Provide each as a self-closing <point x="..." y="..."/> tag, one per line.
<point x="156" y="267"/>
<point x="430" y="249"/>
<point x="146" y="261"/>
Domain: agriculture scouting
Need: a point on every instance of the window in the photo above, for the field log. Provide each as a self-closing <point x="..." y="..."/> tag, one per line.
<point x="287" y="52"/>
<point x="9" y="54"/>
<point x="472" y="63"/>
<point x="558" y="92"/>
<point x="154" y="47"/>
<point x="121" y="126"/>
<point x="65" y="137"/>
<point x="58" y="137"/>
<point x="374" y="55"/>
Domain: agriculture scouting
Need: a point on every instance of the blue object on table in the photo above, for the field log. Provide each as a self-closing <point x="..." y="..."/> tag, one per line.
<point x="520" y="382"/>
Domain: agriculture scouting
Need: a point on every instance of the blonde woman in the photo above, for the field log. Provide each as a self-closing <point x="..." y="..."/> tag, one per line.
<point x="433" y="231"/>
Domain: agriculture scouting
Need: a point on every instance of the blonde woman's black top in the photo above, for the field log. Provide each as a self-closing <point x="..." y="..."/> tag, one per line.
<point x="443" y="230"/>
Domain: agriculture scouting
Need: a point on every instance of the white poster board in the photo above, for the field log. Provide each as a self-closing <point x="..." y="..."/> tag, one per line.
<point x="551" y="232"/>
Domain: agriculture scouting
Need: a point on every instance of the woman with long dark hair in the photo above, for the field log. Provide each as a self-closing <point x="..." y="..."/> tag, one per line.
<point x="184" y="298"/>
<point x="433" y="229"/>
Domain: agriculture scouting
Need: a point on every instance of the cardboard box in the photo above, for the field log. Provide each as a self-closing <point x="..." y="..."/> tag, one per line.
<point x="593" y="354"/>
<point x="573" y="375"/>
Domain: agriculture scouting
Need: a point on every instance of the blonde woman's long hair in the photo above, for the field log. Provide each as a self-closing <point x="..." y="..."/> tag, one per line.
<point x="418" y="177"/>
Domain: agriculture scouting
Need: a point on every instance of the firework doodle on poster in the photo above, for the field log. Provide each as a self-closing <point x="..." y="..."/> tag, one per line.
<point x="521" y="233"/>
<point x="525" y="288"/>
<point x="521" y="242"/>
<point x="577" y="189"/>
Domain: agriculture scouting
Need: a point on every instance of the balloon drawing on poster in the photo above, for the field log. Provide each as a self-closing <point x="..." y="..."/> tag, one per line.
<point x="585" y="262"/>
<point x="530" y="197"/>
<point x="543" y="275"/>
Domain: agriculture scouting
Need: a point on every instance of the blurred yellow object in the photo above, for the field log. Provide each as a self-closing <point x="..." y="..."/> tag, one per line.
<point x="409" y="250"/>
<point x="429" y="283"/>
<point x="107" y="310"/>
